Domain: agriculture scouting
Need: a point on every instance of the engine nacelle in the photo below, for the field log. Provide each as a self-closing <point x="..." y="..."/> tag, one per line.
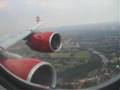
<point x="45" y="41"/>
<point x="31" y="70"/>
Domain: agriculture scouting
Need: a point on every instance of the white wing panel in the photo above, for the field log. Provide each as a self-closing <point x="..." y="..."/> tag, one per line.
<point x="10" y="39"/>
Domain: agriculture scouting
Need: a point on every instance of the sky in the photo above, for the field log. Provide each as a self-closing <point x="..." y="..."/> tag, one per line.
<point x="118" y="9"/>
<point x="20" y="14"/>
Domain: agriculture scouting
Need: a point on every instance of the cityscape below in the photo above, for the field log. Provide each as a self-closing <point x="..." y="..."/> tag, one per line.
<point x="90" y="55"/>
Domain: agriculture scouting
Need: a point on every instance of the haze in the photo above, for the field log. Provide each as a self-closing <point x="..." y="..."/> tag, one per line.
<point x="20" y="14"/>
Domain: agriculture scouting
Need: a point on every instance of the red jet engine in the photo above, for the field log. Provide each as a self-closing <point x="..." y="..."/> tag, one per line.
<point x="45" y="42"/>
<point x="31" y="70"/>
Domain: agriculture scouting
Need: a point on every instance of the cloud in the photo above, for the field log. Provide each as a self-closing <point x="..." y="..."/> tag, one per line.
<point x="58" y="12"/>
<point x="51" y="3"/>
<point x="3" y="4"/>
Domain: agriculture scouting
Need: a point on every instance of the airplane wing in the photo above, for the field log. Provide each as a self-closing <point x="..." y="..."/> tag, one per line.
<point x="11" y="38"/>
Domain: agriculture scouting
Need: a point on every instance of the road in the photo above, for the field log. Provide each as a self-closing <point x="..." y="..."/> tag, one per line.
<point x="103" y="58"/>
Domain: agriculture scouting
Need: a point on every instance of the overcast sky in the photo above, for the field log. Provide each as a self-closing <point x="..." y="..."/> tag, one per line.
<point x="20" y="14"/>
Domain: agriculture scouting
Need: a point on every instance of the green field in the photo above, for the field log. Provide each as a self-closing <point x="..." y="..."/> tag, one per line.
<point x="82" y="55"/>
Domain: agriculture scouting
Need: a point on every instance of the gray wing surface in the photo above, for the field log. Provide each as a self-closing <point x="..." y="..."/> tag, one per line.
<point x="11" y="38"/>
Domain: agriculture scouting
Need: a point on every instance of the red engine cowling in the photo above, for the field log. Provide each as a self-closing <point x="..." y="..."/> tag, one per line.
<point x="32" y="70"/>
<point x="45" y="41"/>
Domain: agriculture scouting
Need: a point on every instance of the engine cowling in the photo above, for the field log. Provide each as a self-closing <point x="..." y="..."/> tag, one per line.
<point x="32" y="70"/>
<point x="45" y="41"/>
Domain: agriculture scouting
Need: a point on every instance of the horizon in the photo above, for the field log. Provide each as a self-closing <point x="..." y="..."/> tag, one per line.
<point x="20" y="15"/>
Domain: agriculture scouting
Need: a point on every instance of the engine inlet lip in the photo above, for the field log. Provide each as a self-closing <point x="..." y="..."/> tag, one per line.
<point x="50" y="40"/>
<point x="37" y="66"/>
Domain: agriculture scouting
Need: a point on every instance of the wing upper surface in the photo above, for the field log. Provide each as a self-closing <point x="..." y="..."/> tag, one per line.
<point x="10" y="39"/>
